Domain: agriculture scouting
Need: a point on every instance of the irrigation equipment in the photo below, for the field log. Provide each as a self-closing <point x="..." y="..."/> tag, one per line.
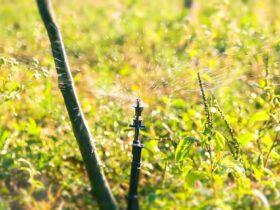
<point x="100" y="187"/>
<point x="132" y="198"/>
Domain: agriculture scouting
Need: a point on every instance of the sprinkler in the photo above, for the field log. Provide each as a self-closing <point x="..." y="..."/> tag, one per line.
<point x="132" y="198"/>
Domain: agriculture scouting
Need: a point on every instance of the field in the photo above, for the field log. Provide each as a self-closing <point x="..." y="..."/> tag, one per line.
<point x="211" y="142"/>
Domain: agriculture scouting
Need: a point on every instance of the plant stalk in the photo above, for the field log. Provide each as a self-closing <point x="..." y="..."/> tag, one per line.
<point x="270" y="149"/>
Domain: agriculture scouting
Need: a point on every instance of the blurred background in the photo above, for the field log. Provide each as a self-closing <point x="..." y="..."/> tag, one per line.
<point x="126" y="49"/>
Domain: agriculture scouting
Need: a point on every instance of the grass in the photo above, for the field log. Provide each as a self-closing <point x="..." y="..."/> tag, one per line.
<point x="121" y="50"/>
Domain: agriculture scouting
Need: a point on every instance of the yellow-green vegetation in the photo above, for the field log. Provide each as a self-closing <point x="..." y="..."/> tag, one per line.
<point x="212" y="144"/>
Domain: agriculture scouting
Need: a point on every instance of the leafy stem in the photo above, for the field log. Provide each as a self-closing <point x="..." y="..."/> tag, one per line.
<point x="209" y="121"/>
<point x="274" y="144"/>
<point x="233" y="144"/>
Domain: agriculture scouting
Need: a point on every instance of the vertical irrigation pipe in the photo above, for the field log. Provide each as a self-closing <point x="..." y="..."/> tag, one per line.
<point x="132" y="198"/>
<point x="100" y="187"/>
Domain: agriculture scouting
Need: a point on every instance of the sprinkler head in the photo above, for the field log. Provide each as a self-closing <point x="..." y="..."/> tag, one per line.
<point x="137" y="122"/>
<point x="138" y="108"/>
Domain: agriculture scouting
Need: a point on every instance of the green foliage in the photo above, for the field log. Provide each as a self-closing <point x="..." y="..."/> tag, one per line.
<point x="183" y="148"/>
<point x="219" y="140"/>
<point x="120" y="50"/>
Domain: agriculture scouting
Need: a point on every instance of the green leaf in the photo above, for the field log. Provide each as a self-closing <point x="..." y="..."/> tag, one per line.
<point x="245" y="138"/>
<point x="219" y="139"/>
<point x="183" y="148"/>
<point x="151" y="146"/>
<point x="192" y="177"/>
<point x="259" y="116"/>
<point x="207" y="131"/>
<point x="4" y="134"/>
<point x="179" y="103"/>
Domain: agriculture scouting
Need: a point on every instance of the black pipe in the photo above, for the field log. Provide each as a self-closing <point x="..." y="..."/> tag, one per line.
<point x="132" y="198"/>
